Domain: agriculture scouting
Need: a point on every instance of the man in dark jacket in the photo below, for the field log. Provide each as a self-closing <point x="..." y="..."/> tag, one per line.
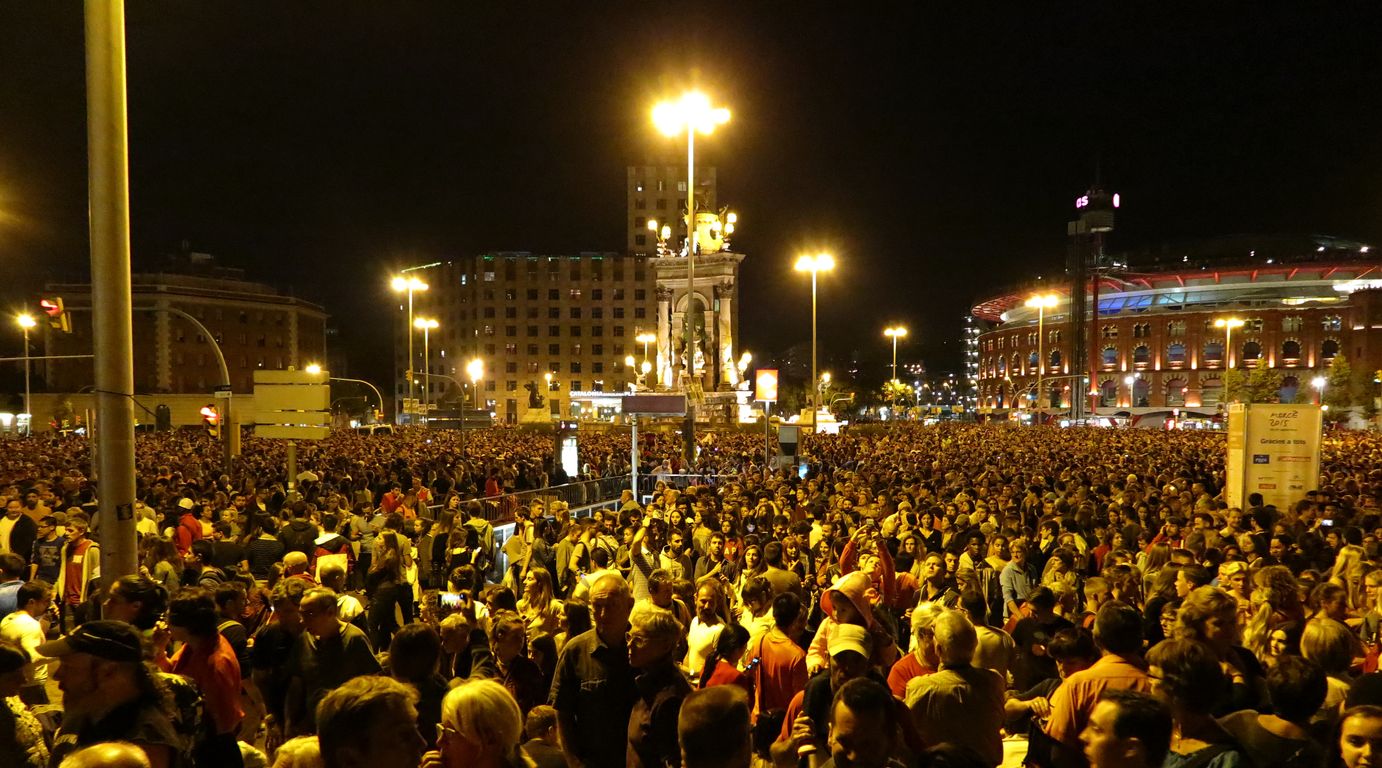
<point x="18" y="530"/>
<point x="299" y="535"/>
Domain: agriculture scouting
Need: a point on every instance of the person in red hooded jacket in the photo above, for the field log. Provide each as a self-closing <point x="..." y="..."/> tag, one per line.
<point x="189" y="526"/>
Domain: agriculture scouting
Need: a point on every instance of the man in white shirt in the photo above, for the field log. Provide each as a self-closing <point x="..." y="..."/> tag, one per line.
<point x="22" y="629"/>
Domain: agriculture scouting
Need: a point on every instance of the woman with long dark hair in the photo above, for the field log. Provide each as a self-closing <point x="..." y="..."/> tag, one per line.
<point x="722" y="665"/>
<point x="390" y="594"/>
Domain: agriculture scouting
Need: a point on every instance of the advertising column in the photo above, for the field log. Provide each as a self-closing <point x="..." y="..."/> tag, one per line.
<point x="1279" y="455"/>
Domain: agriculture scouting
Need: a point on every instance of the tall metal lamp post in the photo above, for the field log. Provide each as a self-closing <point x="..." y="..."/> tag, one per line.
<point x="427" y="324"/>
<point x="409" y="285"/>
<point x="1041" y="302"/>
<point x="821" y="262"/>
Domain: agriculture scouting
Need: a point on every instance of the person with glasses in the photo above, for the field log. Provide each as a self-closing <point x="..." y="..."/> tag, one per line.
<point x="327" y="654"/>
<point x="480" y="726"/>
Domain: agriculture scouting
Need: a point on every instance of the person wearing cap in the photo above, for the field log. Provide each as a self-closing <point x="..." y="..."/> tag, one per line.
<point x="110" y="694"/>
<point x="961" y="704"/>
<point x="189" y="528"/>
<point x="847" y="602"/>
<point x="808" y="714"/>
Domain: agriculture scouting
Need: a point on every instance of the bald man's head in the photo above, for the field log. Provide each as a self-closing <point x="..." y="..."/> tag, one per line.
<point x="113" y="754"/>
<point x="295" y="562"/>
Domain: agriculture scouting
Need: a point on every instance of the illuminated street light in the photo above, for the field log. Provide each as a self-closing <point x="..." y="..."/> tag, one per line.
<point x="1042" y="302"/>
<point x="26" y="321"/>
<point x="821" y="262"/>
<point x="408" y="284"/>
<point x="313" y="369"/>
<point x="1319" y="383"/>
<point x="645" y="339"/>
<point x="427" y="325"/>
<point x="1227" y="325"/>
<point x="691" y="113"/>
<point x="894" y="333"/>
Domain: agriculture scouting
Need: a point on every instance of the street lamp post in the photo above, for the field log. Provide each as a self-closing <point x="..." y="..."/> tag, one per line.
<point x="26" y="322"/>
<point x="645" y="339"/>
<point x="1041" y="302"/>
<point x="1319" y="383"/>
<point x="475" y="369"/>
<point x="821" y="262"/>
<point x="894" y="333"/>
<point x="427" y="324"/>
<point x="401" y="284"/>
<point x="1228" y="324"/>
<point x="691" y="113"/>
<point x="315" y="369"/>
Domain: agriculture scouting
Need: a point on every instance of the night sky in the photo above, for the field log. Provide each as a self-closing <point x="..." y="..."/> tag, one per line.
<point x="935" y="152"/>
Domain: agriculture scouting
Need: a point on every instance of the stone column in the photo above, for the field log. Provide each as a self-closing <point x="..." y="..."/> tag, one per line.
<point x="664" y="337"/>
<point x="729" y="370"/>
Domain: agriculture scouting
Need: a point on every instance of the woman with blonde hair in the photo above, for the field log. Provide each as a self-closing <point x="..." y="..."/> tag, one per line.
<point x="1331" y="645"/>
<point x="539" y="605"/>
<point x="480" y="727"/>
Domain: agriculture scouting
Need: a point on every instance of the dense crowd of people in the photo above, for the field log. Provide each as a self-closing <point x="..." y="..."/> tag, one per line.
<point x="953" y="596"/>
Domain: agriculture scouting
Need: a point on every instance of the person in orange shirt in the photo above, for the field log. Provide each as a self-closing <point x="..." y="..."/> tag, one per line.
<point x="1118" y="633"/>
<point x="209" y="660"/>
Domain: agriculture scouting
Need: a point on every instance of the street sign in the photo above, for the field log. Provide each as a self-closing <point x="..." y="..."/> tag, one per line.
<point x="292" y="405"/>
<point x="654" y="405"/>
<point x="223" y="392"/>
<point x="765" y="385"/>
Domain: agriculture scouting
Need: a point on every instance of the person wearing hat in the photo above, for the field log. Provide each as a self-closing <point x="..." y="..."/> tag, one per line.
<point x="109" y="694"/>
<point x="21" y="735"/>
<point x="808" y="714"/>
<point x="189" y="526"/>
<point x="847" y="603"/>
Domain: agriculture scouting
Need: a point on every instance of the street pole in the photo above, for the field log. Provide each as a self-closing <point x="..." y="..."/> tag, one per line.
<point x="411" y="361"/>
<point x="108" y="190"/>
<point x="28" y="408"/>
<point x="689" y="437"/>
<point x="1041" y="356"/>
<point x="633" y="459"/>
<point x="426" y="366"/>
<point x="815" y="394"/>
<point x="767" y="439"/>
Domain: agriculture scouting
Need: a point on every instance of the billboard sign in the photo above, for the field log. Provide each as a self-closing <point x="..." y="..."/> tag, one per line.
<point x="1273" y="450"/>
<point x="765" y="385"/>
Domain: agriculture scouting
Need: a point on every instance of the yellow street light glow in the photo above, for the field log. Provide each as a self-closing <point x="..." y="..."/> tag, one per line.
<point x="647" y="366"/>
<point x="645" y="338"/>
<point x="825" y="377"/>
<point x="628" y="360"/>
<point x="1043" y="300"/>
<point x="1318" y="382"/>
<point x="666" y="231"/>
<point x="476" y="369"/>
<point x="426" y="323"/>
<point x="821" y="262"/>
<point x="26" y="321"/>
<point x="898" y="332"/>
<point x="313" y="369"/>
<point x="692" y="111"/>
<point x="652" y="225"/>
<point x="402" y="284"/>
<point x="1230" y="322"/>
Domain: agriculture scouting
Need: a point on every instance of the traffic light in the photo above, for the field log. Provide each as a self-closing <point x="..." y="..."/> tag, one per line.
<point x="58" y="319"/>
<point x="212" y="419"/>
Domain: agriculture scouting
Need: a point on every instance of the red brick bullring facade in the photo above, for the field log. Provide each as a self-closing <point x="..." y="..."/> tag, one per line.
<point x="1155" y="344"/>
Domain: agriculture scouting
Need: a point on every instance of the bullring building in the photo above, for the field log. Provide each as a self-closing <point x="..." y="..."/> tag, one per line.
<point x="1167" y="324"/>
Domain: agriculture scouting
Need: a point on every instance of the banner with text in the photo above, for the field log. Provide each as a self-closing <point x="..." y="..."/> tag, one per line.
<point x="1273" y="450"/>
